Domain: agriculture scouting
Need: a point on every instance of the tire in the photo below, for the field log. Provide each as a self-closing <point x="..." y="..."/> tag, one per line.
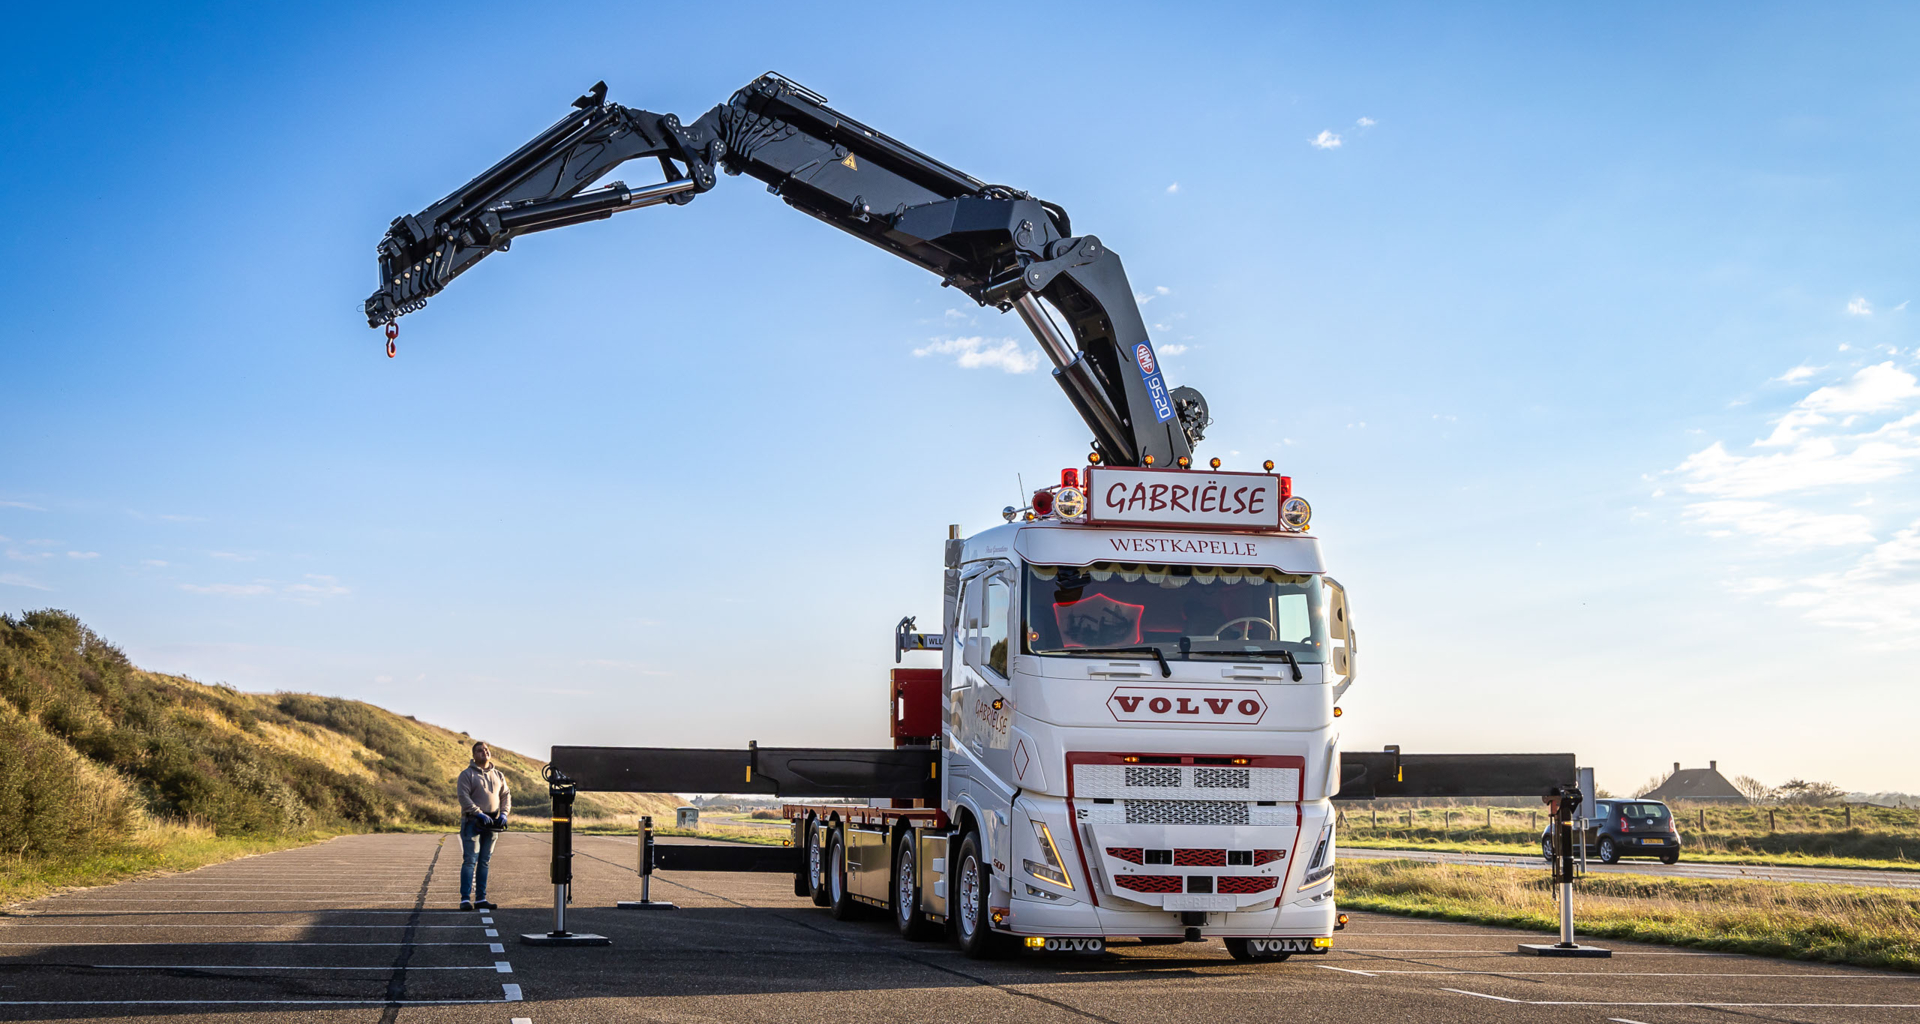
<point x="1546" y="848"/>
<point x="907" y="915"/>
<point x="967" y="907"/>
<point x="816" y="867"/>
<point x="1608" y="855"/>
<point x="801" y="885"/>
<point x="1670" y="858"/>
<point x="1242" y="950"/>
<point x="839" y="898"/>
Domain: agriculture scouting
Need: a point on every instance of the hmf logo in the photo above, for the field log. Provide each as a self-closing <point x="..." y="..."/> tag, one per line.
<point x="1167" y="704"/>
<point x="1144" y="356"/>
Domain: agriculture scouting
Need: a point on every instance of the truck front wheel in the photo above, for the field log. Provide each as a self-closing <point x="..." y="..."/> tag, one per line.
<point x="968" y="903"/>
<point x="913" y="923"/>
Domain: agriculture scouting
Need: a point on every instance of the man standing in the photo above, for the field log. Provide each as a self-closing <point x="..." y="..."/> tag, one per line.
<point x="484" y="805"/>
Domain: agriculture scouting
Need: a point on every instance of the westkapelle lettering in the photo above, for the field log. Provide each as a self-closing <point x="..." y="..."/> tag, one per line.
<point x="1184" y="546"/>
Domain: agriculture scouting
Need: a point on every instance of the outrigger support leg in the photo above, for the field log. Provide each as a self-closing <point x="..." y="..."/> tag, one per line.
<point x="1564" y="802"/>
<point x="561" y="789"/>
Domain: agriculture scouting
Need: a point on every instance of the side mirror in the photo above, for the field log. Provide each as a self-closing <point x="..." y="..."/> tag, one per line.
<point x="1340" y="631"/>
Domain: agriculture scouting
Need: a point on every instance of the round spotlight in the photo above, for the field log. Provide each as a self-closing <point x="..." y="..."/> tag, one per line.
<point x="1215" y="463"/>
<point x="1069" y="502"/>
<point x="1295" y="513"/>
<point x="1267" y="465"/>
<point x="1093" y="458"/>
<point x="1149" y="460"/>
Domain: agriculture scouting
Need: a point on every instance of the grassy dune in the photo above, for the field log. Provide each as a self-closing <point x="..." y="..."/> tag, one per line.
<point x="109" y="771"/>
<point x="1834" y="924"/>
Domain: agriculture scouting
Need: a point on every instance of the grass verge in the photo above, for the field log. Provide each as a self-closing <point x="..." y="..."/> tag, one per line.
<point x="1826" y="923"/>
<point x="156" y="849"/>
<point x="1776" y="860"/>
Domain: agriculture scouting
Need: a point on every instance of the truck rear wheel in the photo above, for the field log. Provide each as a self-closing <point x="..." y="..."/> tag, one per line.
<point x="971" y="890"/>
<point x="907" y="915"/>
<point x="816" y="866"/>
<point x="839" y="898"/>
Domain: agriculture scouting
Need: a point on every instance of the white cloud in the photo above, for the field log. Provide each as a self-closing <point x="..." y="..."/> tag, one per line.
<point x="1145" y="297"/>
<point x="317" y="586"/>
<point x="1902" y="305"/>
<point x="228" y="589"/>
<point x="1859" y="307"/>
<point x="1784" y="527"/>
<point x="14" y="579"/>
<point x="1171" y="350"/>
<point x="21" y="504"/>
<point x="1173" y="189"/>
<point x="1874" y="389"/>
<point x="1325" y="140"/>
<point x="155" y="562"/>
<point x="1006" y="354"/>
<point x="956" y="315"/>
<point x="1366" y="122"/>
<point x="1797" y="374"/>
<point x="230" y="556"/>
<point x="83" y="554"/>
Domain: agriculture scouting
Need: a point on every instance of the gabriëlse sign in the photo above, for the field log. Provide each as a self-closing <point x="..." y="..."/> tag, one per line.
<point x="1180" y="497"/>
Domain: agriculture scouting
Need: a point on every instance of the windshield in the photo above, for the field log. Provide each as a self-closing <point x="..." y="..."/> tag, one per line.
<point x="1184" y="609"/>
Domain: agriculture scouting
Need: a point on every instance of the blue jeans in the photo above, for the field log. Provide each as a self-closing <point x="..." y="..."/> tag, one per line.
<point x="476" y="848"/>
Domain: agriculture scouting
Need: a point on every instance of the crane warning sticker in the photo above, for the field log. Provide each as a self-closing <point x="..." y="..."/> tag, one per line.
<point x="1156" y="385"/>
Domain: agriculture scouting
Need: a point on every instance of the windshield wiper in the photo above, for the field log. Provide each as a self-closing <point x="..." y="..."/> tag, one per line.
<point x="1186" y="648"/>
<point x="1159" y="655"/>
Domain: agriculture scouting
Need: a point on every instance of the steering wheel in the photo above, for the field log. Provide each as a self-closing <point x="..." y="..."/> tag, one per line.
<point x="1246" y="622"/>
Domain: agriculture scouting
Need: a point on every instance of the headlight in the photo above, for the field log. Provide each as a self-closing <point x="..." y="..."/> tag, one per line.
<point x="1069" y="502"/>
<point x="1320" y="868"/>
<point x="1053" y="870"/>
<point x="1295" y="513"/>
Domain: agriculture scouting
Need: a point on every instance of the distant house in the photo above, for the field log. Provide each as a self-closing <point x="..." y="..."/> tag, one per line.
<point x="1703" y="785"/>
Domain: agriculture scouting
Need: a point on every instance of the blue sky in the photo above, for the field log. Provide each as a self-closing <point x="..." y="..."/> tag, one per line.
<point x="1586" y="332"/>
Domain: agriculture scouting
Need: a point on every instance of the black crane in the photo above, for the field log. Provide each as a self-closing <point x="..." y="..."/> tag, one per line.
<point x="999" y="245"/>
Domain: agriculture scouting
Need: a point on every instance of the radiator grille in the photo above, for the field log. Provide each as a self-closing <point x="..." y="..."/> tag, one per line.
<point x="1222" y="778"/>
<point x="1130" y="854"/>
<point x="1186" y="812"/>
<point x="1153" y="775"/>
<point x="1149" y="883"/>
<point x="1200" y="858"/>
<point x="1241" y="885"/>
<point x="1267" y="856"/>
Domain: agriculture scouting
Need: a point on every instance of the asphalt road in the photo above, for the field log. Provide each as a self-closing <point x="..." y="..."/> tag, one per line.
<point x="364" y="929"/>
<point x="1684" y="869"/>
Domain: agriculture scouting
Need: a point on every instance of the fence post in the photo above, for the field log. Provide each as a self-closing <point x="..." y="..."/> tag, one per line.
<point x="1489" y="817"/>
<point x="1849" y="809"/>
<point x="1769" y="819"/>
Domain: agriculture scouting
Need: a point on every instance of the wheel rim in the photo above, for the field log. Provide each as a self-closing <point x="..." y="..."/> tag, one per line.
<point x="903" y="894"/>
<point x="1606" y="849"/>
<point x="814" y="854"/>
<point x="969" y="895"/>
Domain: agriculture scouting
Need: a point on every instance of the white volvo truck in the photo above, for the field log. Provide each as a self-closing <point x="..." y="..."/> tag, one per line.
<point x="1136" y="728"/>
<point x="1132" y="731"/>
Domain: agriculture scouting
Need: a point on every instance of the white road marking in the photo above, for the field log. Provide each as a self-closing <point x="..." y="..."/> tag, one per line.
<point x="521" y="1020"/>
<point x="257" y="1002"/>
<point x="1623" y="1020"/>
<point x="1695" y="1005"/>
<point x="1483" y="995"/>
<point x="493" y="933"/>
<point x="254" y="967"/>
<point x="495" y="947"/>
<point x="503" y="967"/>
<point x="513" y="993"/>
<point x="1346" y="970"/>
<point x="486" y="920"/>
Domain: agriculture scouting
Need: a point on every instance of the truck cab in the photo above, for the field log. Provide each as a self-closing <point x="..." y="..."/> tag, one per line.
<point x="1139" y="704"/>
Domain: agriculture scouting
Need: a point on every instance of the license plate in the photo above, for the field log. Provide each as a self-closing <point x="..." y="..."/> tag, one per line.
<point x="1076" y="945"/>
<point x="1280" y="945"/>
<point x="1197" y="901"/>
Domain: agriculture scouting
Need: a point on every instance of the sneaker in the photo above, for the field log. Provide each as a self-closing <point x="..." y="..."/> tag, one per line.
<point x="482" y="905"/>
<point x="466" y="904"/>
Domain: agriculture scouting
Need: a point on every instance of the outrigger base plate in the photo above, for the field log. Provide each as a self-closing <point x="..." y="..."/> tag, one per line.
<point x="564" y="939"/>
<point x="1555" y="949"/>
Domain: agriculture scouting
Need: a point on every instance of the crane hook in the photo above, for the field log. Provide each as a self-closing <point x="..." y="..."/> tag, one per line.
<point x="393" y="335"/>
